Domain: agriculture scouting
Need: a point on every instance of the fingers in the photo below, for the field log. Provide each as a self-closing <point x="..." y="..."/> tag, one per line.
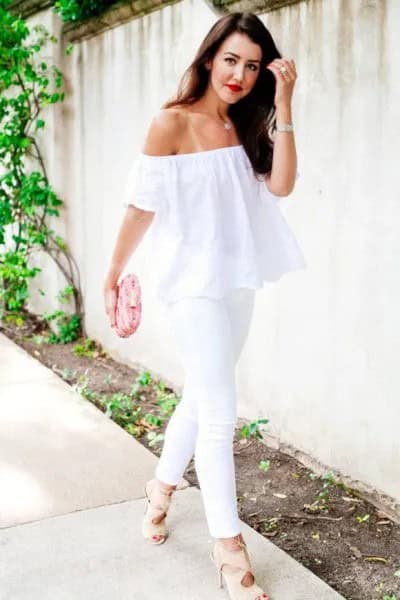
<point x="111" y="315"/>
<point x="112" y="318"/>
<point x="278" y="63"/>
<point x="110" y="301"/>
<point x="289" y="64"/>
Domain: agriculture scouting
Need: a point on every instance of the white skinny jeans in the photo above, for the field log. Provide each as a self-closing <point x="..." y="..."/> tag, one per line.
<point x="210" y="334"/>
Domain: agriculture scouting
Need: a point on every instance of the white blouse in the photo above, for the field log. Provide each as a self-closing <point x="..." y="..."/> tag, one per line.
<point x="216" y="225"/>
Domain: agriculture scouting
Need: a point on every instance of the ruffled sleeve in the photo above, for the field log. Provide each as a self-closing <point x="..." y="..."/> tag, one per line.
<point x="145" y="186"/>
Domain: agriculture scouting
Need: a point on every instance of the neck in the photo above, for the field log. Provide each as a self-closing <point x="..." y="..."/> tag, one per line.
<point x="213" y="105"/>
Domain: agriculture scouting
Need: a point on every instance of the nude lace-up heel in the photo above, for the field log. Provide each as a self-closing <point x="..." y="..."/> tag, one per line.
<point x="237" y="591"/>
<point x="157" y="504"/>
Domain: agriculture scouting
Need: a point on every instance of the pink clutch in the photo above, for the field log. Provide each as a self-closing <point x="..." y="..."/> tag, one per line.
<point x="128" y="310"/>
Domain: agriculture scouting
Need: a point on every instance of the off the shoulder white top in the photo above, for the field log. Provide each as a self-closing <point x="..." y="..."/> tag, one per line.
<point x="216" y="225"/>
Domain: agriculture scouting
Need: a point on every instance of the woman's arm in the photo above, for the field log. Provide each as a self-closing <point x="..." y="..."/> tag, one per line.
<point x="284" y="160"/>
<point x="280" y="181"/>
<point x="161" y="138"/>
<point x="133" y="227"/>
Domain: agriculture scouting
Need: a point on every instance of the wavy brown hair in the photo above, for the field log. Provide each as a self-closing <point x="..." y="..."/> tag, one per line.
<point x="254" y="115"/>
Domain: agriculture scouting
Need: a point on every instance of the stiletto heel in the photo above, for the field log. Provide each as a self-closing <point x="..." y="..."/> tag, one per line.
<point x="220" y="581"/>
<point x="157" y="533"/>
<point x="237" y="591"/>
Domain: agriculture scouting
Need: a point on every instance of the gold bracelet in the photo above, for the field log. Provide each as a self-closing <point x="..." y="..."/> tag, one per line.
<point x="284" y="127"/>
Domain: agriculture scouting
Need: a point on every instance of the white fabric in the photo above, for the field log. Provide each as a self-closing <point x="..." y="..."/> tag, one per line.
<point x="203" y="423"/>
<point x="216" y="225"/>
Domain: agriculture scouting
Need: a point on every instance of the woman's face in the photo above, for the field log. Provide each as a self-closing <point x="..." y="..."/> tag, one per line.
<point x="236" y="63"/>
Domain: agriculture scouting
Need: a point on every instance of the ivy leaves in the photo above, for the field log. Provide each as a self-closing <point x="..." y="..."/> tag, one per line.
<point x="28" y="86"/>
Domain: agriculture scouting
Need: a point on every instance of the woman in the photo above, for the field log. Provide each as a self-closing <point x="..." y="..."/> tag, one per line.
<point x="214" y="161"/>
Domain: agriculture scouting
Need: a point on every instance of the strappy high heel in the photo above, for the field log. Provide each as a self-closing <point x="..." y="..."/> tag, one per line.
<point x="240" y="558"/>
<point x="156" y="504"/>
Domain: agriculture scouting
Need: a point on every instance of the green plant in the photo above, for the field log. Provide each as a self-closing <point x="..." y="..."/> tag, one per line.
<point x="264" y="465"/>
<point x="136" y="388"/>
<point x="362" y="519"/>
<point x="144" y="378"/>
<point x="68" y="373"/>
<point x="121" y="409"/>
<point x="66" y="294"/>
<point x="322" y="499"/>
<point x="68" y="327"/>
<point x="14" y="273"/>
<point x="270" y="524"/>
<point x="391" y="597"/>
<point x="88" y="348"/>
<point x="155" y="438"/>
<point x="16" y="318"/>
<point x="252" y="430"/>
<point x="167" y="401"/>
<point x="83" y="389"/>
<point x="154" y="420"/>
<point x="28" y="86"/>
<point x="79" y="10"/>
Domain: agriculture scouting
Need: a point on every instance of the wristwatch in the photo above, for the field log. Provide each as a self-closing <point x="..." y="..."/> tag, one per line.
<point x="284" y="127"/>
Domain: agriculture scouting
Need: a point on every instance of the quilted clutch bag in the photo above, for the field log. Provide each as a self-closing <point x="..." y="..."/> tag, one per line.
<point x="128" y="310"/>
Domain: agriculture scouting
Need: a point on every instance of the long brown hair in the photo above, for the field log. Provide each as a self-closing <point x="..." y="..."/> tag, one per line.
<point x="254" y="115"/>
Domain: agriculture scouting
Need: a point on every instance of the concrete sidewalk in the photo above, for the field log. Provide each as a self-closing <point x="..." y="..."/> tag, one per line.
<point x="71" y="505"/>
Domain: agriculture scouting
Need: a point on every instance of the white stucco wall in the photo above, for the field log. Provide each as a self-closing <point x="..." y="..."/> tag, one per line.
<point x="321" y="360"/>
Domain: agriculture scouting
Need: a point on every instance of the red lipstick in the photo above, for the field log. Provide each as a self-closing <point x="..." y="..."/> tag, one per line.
<point x="234" y="88"/>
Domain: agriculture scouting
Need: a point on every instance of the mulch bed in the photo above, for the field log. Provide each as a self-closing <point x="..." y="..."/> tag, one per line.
<point x="358" y="559"/>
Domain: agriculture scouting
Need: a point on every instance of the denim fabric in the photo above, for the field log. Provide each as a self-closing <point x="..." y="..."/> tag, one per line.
<point x="210" y="334"/>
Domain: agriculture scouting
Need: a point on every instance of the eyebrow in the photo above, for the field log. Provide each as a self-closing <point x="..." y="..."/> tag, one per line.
<point x="237" y="56"/>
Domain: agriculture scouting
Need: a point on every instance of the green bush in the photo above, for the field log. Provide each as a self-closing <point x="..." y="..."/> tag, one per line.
<point x="74" y="10"/>
<point x="28" y="86"/>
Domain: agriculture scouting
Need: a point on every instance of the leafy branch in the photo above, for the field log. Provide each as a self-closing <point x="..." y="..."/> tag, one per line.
<point x="28" y="86"/>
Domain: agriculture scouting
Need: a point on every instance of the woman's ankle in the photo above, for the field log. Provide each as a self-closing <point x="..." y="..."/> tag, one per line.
<point x="165" y="487"/>
<point x="232" y="543"/>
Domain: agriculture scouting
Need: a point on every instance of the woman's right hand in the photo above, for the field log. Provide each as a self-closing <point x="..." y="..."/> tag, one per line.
<point x="110" y="301"/>
<point x="132" y="230"/>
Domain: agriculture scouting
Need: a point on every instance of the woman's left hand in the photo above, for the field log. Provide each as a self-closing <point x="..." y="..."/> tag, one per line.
<point x="284" y="81"/>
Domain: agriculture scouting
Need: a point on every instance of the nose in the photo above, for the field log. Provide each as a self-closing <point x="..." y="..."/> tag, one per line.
<point x="238" y="75"/>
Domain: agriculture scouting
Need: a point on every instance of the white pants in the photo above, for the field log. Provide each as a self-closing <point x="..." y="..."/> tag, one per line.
<point x="210" y="334"/>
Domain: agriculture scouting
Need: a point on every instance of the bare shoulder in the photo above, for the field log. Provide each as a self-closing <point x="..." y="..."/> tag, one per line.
<point x="164" y="132"/>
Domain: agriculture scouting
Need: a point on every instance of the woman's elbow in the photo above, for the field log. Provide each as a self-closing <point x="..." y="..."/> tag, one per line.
<point x="280" y="190"/>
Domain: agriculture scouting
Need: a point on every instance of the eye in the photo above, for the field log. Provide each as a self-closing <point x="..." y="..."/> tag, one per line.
<point x="251" y="65"/>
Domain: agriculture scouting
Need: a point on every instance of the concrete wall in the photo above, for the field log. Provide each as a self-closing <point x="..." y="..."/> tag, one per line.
<point x="321" y="360"/>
